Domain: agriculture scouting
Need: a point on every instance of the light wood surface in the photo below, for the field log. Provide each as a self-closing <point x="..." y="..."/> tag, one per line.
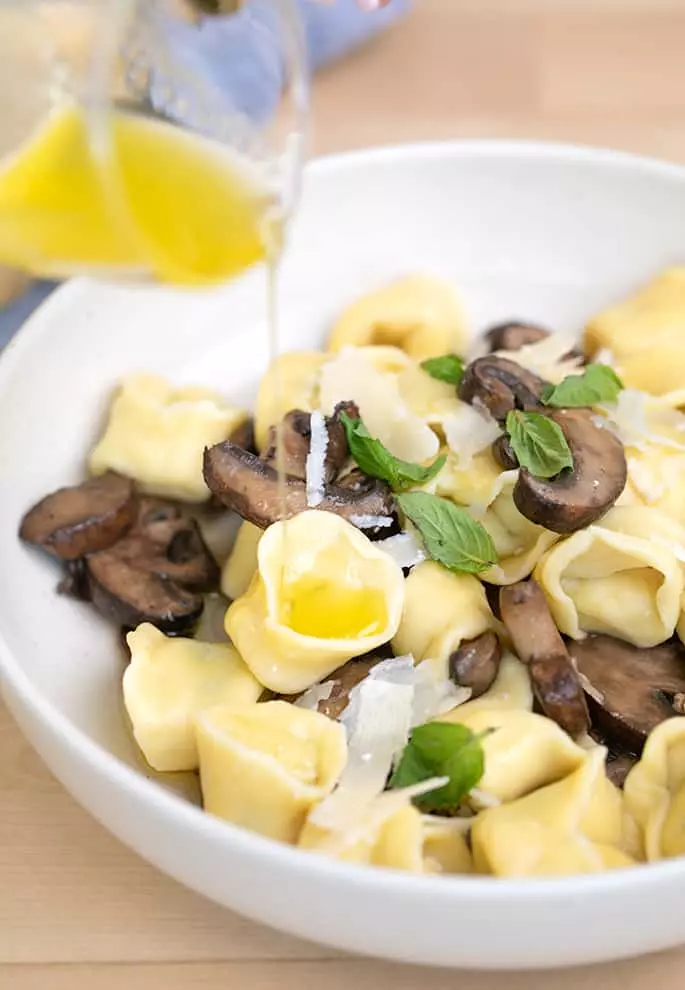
<point x="79" y="911"/>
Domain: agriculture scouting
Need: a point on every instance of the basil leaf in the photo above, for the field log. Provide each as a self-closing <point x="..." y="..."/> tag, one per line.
<point x="598" y="383"/>
<point x="375" y="459"/>
<point x="441" y="749"/>
<point x="451" y="536"/>
<point x="539" y="443"/>
<point x="448" y="368"/>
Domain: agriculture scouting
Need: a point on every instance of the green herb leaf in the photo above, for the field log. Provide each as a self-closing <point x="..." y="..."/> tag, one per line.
<point x="375" y="459"/>
<point x="539" y="443"/>
<point x="598" y="383"/>
<point x="448" y="368"/>
<point x="449" y="533"/>
<point x="441" y="749"/>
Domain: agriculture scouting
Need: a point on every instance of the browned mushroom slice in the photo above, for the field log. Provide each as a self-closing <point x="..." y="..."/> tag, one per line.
<point x="579" y="495"/>
<point x="243" y="436"/>
<point x="74" y="584"/>
<point x="343" y="680"/>
<point x="618" y="767"/>
<point x="296" y="436"/>
<point x="84" y="519"/>
<point x="476" y="663"/>
<point x="250" y="487"/>
<point x="172" y="549"/>
<point x="629" y="690"/>
<point x="130" y="595"/>
<point x="153" y="510"/>
<point x="537" y="643"/>
<point x="514" y="335"/>
<point x="500" y="386"/>
<point x="503" y="453"/>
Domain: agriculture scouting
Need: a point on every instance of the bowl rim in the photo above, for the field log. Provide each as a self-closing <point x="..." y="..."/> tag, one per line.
<point x="252" y="845"/>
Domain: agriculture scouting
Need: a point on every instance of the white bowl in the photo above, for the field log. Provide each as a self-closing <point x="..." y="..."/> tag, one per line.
<point x="544" y="232"/>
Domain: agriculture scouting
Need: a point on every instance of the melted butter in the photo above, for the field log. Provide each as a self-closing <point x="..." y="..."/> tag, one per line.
<point x="329" y="609"/>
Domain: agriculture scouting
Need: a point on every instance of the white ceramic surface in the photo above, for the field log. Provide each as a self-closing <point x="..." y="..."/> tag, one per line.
<point x="544" y="232"/>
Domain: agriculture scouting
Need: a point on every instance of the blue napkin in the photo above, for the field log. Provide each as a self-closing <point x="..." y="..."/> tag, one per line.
<point x="235" y="54"/>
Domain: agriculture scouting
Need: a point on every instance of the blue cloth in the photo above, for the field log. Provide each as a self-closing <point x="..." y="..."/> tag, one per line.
<point x="235" y="54"/>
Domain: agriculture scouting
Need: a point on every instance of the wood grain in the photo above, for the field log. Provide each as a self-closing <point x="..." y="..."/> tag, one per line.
<point x="79" y="911"/>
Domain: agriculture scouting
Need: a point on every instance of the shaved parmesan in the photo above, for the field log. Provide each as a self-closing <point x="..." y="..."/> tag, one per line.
<point x="371" y="522"/>
<point x="316" y="460"/>
<point x="481" y="799"/>
<point x="630" y="419"/>
<point x="405" y="549"/>
<point x="315" y="694"/>
<point x="548" y="357"/>
<point x="469" y="431"/>
<point x="644" y="481"/>
<point x="605" y="356"/>
<point x="352" y="376"/>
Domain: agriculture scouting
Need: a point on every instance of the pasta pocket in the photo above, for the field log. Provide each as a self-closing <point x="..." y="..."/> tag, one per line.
<point x="511" y="690"/>
<point x="266" y="767"/>
<point x="572" y="826"/>
<point x="291" y="382"/>
<point x="323" y="593"/>
<point x="646" y="334"/>
<point x="523" y="752"/>
<point x="441" y="609"/>
<point x="421" y="315"/>
<point x="241" y="564"/>
<point x="156" y="435"/>
<point x="655" y="791"/>
<point x="620" y="577"/>
<point x="169" y="682"/>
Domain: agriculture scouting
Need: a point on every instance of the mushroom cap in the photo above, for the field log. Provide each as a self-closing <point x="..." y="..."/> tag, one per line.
<point x="83" y="519"/>
<point x="538" y="644"/>
<point x="500" y="385"/>
<point x="514" y="335"/>
<point x="582" y="494"/>
<point x="503" y="453"/>
<point x="476" y="663"/>
<point x="250" y="487"/>
<point x="636" y="687"/>
<point x="296" y="435"/>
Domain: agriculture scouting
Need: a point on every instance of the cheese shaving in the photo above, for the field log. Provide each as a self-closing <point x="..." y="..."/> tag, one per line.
<point x="405" y="549"/>
<point x="315" y="694"/>
<point x="316" y="460"/>
<point x="371" y="522"/>
<point x="547" y="357"/>
<point x="628" y="417"/>
<point x="644" y="481"/>
<point x="481" y="799"/>
<point x="469" y="431"/>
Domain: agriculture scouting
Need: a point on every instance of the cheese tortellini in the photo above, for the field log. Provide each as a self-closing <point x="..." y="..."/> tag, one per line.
<point x="573" y="826"/>
<point x="619" y="577"/>
<point x="323" y="593"/>
<point x="655" y="791"/>
<point x="156" y="434"/>
<point x="241" y="563"/>
<point x="169" y="682"/>
<point x="265" y="767"/>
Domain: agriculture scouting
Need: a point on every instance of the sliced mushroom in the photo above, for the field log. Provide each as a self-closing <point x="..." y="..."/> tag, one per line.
<point x="74" y="584"/>
<point x="243" y="436"/>
<point x="296" y="435"/>
<point x="250" y="487"/>
<point x="73" y="522"/>
<point x="500" y="385"/>
<point x="130" y="595"/>
<point x="173" y="550"/>
<point x="153" y="510"/>
<point x="579" y="495"/>
<point x="537" y="643"/>
<point x="503" y="453"/>
<point x="618" y="768"/>
<point x="344" y="679"/>
<point x="476" y="663"/>
<point x="514" y="335"/>
<point x="629" y="690"/>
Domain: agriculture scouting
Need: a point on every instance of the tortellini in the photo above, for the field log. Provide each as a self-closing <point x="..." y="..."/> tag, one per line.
<point x="291" y="382"/>
<point x="265" y="767"/>
<point x="619" y="577"/>
<point x="511" y="690"/>
<point x="655" y="791"/>
<point x="323" y="594"/>
<point x="169" y="682"/>
<point x="488" y="492"/>
<point x="646" y="334"/>
<point x="441" y="609"/>
<point x="523" y="752"/>
<point x="156" y="434"/>
<point x="421" y="315"/>
<point x="573" y="826"/>
<point x="241" y="564"/>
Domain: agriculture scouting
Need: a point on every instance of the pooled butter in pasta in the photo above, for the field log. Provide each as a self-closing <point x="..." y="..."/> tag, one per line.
<point x="441" y="609"/>
<point x="573" y="826"/>
<point x="156" y="434"/>
<point x="353" y="376"/>
<point x="620" y="577"/>
<point x="169" y="682"/>
<point x="510" y="690"/>
<point x="264" y="768"/>
<point x="291" y="382"/>
<point x="655" y="791"/>
<point x="646" y="334"/>
<point x="525" y="751"/>
<point x="323" y="593"/>
<point x="421" y="315"/>
<point x="241" y="564"/>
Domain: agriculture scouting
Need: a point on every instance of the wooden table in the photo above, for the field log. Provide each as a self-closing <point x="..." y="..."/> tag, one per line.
<point x="79" y="911"/>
